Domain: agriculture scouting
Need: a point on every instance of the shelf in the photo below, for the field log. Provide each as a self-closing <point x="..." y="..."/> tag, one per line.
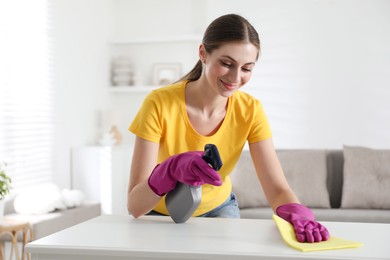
<point x="131" y="89"/>
<point x="136" y="47"/>
<point x="183" y="38"/>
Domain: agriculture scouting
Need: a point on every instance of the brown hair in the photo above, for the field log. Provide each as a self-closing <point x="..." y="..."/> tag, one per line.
<point x="225" y="29"/>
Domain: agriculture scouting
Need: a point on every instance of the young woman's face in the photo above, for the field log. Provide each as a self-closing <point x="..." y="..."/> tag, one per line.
<point x="229" y="67"/>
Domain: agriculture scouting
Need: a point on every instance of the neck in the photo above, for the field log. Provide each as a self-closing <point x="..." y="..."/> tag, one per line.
<point x="201" y="96"/>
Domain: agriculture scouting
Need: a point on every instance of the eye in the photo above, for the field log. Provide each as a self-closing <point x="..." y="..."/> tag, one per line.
<point x="226" y="64"/>
<point x="246" y="69"/>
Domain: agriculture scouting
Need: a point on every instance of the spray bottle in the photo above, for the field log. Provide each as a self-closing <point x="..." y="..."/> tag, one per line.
<point x="182" y="201"/>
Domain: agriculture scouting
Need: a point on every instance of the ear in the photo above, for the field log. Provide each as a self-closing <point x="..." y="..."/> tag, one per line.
<point x="202" y="53"/>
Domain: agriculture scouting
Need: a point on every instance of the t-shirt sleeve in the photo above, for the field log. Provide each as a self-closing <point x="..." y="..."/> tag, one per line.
<point x="147" y="122"/>
<point x="260" y="129"/>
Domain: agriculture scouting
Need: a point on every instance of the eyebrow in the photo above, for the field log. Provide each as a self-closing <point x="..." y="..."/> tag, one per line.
<point x="230" y="58"/>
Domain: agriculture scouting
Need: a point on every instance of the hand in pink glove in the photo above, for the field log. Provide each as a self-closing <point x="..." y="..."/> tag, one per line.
<point x="188" y="168"/>
<point x="307" y="229"/>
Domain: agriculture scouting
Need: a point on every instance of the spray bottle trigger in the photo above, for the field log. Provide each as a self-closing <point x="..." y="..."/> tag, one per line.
<point x="211" y="156"/>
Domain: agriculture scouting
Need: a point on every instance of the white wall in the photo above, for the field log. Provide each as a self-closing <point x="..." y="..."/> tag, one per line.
<point x="323" y="77"/>
<point x="324" y="74"/>
<point x="80" y="75"/>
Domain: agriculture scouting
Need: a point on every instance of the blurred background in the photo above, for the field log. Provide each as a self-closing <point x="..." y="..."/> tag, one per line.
<point x="71" y="70"/>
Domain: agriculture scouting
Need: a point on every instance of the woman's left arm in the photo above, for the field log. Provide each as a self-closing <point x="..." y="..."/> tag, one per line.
<point x="270" y="174"/>
<point x="280" y="196"/>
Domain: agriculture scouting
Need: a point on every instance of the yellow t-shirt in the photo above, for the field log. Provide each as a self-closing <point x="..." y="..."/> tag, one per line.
<point x="163" y="119"/>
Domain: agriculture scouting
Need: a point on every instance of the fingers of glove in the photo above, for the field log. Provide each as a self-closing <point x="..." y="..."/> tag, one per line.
<point x="304" y="235"/>
<point x="309" y="235"/>
<point x="299" y="231"/>
<point x="306" y="231"/>
<point x="309" y="232"/>
<point x="324" y="233"/>
<point x="206" y="174"/>
<point x="315" y="232"/>
<point x="317" y="235"/>
<point x="300" y="237"/>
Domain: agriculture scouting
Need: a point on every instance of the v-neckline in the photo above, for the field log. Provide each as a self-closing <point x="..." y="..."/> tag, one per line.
<point x="189" y="124"/>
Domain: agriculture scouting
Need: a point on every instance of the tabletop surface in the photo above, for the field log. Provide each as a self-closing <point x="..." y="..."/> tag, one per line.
<point x="216" y="238"/>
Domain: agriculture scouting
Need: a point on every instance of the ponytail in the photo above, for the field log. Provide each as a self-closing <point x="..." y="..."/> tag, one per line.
<point x="194" y="74"/>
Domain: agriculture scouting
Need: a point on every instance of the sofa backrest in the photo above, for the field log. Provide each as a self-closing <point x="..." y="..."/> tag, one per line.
<point x="315" y="175"/>
<point x="335" y="164"/>
<point x="334" y="169"/>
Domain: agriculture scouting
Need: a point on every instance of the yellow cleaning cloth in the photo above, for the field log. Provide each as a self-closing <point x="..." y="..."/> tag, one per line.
<point x="288" y="234"/>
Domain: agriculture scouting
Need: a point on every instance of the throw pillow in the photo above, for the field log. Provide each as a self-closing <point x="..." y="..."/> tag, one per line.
<point x="72" y="198"/>
<point x="246" y="185"/>
<point x="366" y="178"/>
<point x="305" y="171"/>
<point x="39" y="199"/>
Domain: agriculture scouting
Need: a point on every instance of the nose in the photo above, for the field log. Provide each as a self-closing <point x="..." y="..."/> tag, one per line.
<point x="235" y="76"/>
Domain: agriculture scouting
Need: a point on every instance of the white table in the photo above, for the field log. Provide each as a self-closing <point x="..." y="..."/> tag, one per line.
<point x="153" y="237"/>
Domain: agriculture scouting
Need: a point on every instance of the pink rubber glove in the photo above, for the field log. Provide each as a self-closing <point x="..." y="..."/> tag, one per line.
<point x="188" y="168"/>
<point x="307" y="229"/>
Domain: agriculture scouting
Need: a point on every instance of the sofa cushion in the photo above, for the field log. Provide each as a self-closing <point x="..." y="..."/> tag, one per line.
<point x="48" y="223"/>
<point x="366" y="178"/>
<point x="246" y="185"/>
<point x="301" y="167"/>
<point x="306" y="173"/>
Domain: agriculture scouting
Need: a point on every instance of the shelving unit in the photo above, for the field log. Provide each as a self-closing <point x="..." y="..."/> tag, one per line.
<point x="144" y="52"/>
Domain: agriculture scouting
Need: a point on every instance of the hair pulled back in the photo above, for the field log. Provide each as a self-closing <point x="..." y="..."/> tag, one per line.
<point x="225" y="29"/>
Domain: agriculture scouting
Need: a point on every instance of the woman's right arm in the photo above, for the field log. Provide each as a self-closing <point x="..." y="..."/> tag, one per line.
<point x="140" y="198"/>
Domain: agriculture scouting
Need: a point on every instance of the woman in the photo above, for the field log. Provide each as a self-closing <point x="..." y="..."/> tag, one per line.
<point x="206" y="106"/>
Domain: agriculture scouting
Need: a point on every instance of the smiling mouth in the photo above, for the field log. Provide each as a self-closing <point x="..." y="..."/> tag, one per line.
<point x="230" y="86"/>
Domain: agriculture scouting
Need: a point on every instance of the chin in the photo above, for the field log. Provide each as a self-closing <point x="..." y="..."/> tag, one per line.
<point x="227" y="93"/>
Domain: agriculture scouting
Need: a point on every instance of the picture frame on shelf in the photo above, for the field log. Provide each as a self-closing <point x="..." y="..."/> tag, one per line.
<point x="166" y="73"/>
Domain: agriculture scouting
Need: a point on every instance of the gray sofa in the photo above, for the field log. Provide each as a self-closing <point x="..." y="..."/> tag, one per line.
<point x="351" y="184"/>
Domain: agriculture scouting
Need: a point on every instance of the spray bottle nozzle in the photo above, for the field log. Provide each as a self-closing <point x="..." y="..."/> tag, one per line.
<point x="211" y="156"/>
